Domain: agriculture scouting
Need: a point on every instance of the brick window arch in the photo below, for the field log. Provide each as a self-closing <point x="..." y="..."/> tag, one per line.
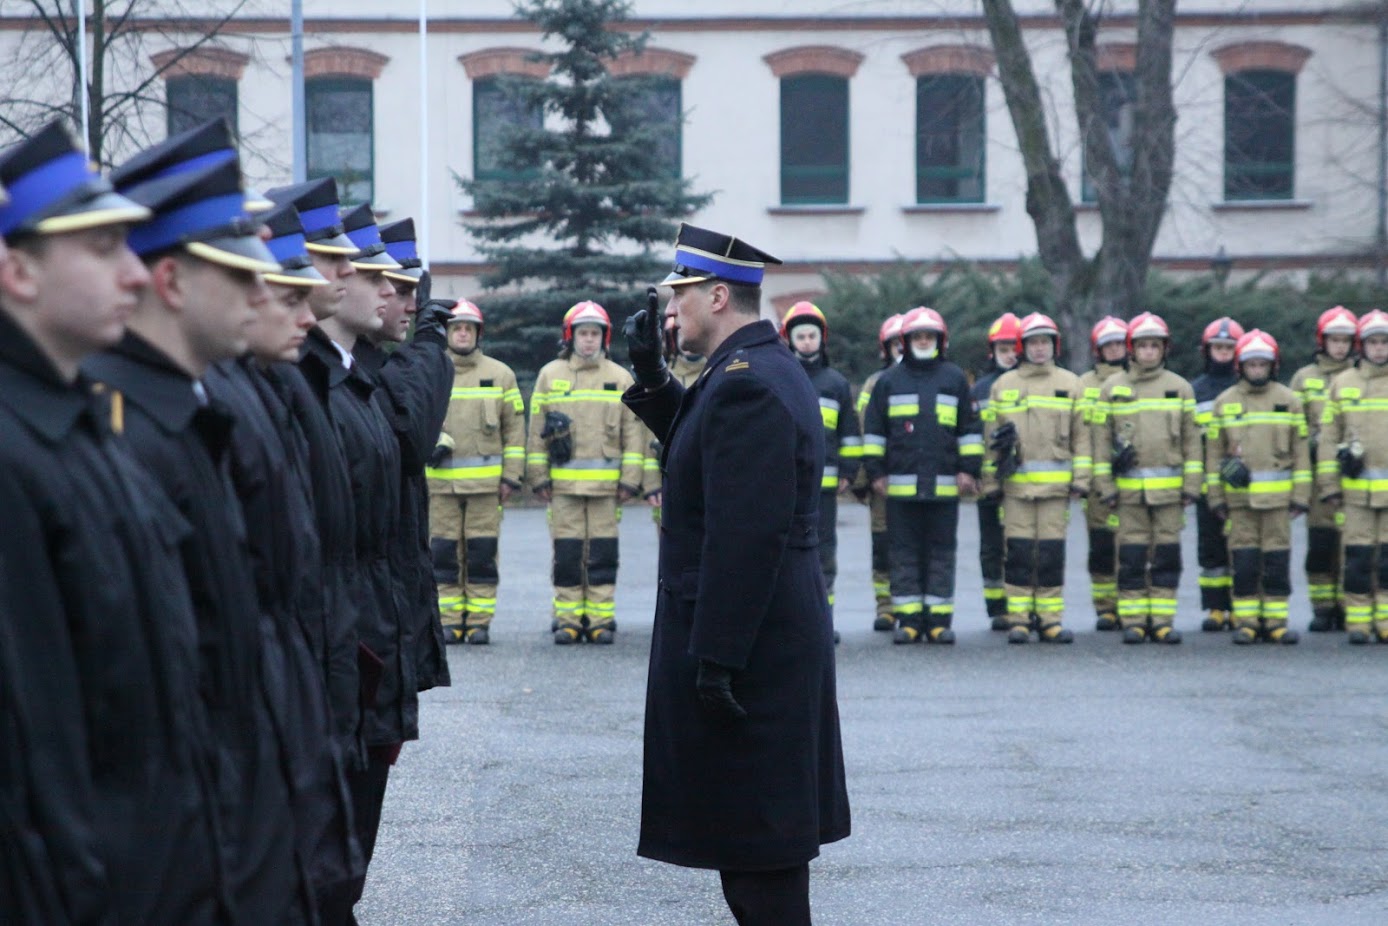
<point x="652" y="62"/>
<point x="342" y="61"/>
<point x="814" y="59"/>
<point x="493" y="62"/>
<point x="200" y="84"/>
<point x="950" y="59"/>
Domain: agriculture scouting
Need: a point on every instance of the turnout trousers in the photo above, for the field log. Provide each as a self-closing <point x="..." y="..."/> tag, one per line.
<point x="922" y="542"/>
<point x="463" y="533"/>
<point x="1212" y="553"/>
<point x="990" y="556"/>
<point x="1365" y="554"/>
<point x="1101" y="523"/>
<point x="584" y="528"/>
<point x="1035" y="559"/>
<point x="1260" y="548"/>
<point x="1149" y="563"/>
<point x="881" y="574"/>
<point x="1323" y="560"/>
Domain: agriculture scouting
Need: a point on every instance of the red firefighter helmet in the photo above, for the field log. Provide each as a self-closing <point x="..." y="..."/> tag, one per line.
<point x="803" y="312"/>
<point x="923" y="318"/>
<point x="1006" y="328"/>
<point x="1035" y="325"/>
<point x="1257" y="345"/>
<point x="1147" y="325"/>
<point x="590" y="313"/>
<point x="1222" y="329"/>
<point x="1107" y="330"/>
<point x="1372" y="322"/>
<point x="464" y="311"/>
<point x="1338" y="320"/>
<point x="889" y="332"/>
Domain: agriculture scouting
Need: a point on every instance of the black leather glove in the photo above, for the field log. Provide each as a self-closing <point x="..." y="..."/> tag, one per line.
<point x="1124" y="458"/>
<point x="1351" y="463"/>
<point x="431" y="322"/>
<point x="1235" y="473"/>
<point x="557" y="434"/>
<point x="644" y="343"/>
<point x="440" y="454"/>
<point x="1004" y="438"/>
<point x="715" y="686"/>
<point x="422" y="291"/>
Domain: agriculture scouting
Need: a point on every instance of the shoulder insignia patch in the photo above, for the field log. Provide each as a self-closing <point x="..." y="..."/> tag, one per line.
<point x="736" y="365"/>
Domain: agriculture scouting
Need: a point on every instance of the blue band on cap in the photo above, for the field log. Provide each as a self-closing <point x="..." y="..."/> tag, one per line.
<point x="43" y="186"/>
<point x="735" y="273"/>
<point x="402" y="250"/>
<point x="288" y="246"/>
<point x="170" y="228"/>
<point x="210" y="159"/>
<point x="320" y="218"/>
<point x="366" y="236"/>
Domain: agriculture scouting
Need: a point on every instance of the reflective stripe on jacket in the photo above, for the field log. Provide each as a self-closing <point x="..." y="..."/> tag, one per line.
<point x="1154" y="410"/>
<point x="486" y="423"/>
<point x="1357" y="411"/>
<point x="609" y="443"/>
<point x="1265" y="427"/>
<point x="920" y="431"/>
<point x="1044" y="403"/>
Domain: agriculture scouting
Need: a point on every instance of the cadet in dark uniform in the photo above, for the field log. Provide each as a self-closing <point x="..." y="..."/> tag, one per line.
<point x="116" y="813"/>
<point x="1212" y="549"/>
<point x="1003" y="336"/>
<point x="205" y="261"/>
<point x="743" y="761"/>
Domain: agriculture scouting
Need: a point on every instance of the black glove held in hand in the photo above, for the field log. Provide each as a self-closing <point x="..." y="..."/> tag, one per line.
<point x="431" y="322"/>
<point x="441" y="453"/>
<point x="645" y="345"/>
<point x="715" y="687"/>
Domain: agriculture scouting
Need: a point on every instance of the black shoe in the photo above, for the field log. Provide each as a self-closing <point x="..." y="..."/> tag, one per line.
<point x="836" y="638"/>
<point x="603" y="635"/>
<point x="1244" y="636"/>
<point x="477" y="636"/>
<point x="905" y="633"/>
<point x="452" y="635"/>
<point x="1216" y="622"/>
<point x="1283" y="635"/>
<point x="1056" y="634"/>
<point x="1166" y="634"/>
<point x="1018" y="634"/>
<point x="1359" y="637"/>
<point x="1000" y="623"/>
<point x="1134" y="635"/>
<point x="942" y="635"/>
<point x="1322" y="620"/>
<point x="565" y="636"/>
<point x="1106" y="621"/>
<point x="884" y="622"/>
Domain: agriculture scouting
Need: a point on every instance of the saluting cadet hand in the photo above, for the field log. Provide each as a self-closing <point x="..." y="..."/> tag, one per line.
<point x="715" y="686"/>
<point x="645" y="345"/>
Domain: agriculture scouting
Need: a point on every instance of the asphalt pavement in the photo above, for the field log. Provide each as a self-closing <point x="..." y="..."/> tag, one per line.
<point x="1088" y="784"/>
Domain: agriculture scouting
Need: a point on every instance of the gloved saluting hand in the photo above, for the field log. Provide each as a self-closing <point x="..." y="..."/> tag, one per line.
<point x="715" y="686"/>
<point x="644" y="343"/>
<point x="431" y="323"/>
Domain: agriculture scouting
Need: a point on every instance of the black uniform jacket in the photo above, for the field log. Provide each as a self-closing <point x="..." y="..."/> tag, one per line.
<point x="106" y="808"/>
<point x="919" y="414"/>
<point x="416" y="381"/>
<point x="302" y="389"/>
<point x="272" y="484"/>
<point x="740" y="584"/>
<point x="383" y="625"/>
<point x="842" y="438"/>
<point x="184" y="442"/>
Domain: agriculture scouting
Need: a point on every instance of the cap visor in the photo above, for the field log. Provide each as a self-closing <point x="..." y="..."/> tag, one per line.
<point x="102" y="209"/>
<point x="381" y="261"/>
<point x="337" y="244"/>
<point x="406" y="274"/>
<point x="241" y="252"/>
<point x="679" y="279"/>
<point x="299" y="276"/>
<point x="257" y="201"/>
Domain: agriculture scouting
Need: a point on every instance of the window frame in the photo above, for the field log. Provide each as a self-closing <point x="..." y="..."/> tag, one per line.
<point x="330" y="83"/>
<point x="667" y="82"/>
<point x="790" y="173"/>
<point x="956" y="171"/>
<point x="174" y="82"/>
<point x="495" y="84"/>
<point x="1088" y="194"/>
<point x="1247" y="169"/>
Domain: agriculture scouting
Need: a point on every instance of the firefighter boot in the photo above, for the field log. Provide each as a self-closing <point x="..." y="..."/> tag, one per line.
<point x="941" y="635"/>
<point x="908" y="629"/>
<point x="605" y="634"/>
<point x="567" y="634"/>
<point x="1165" y="633"/>
<point x="1134" y="634"/>
<point x="477" y="636"/>
<point x="1322" y="619"/>
<point x="1244" y="636"/>
<point x="452" y="635"/>
<point x="1216" y="621"/>
<point x="883" y="622"/>
<point x="1019" y="630"/>
<point x="1107" y="620"/>
<point x="1054" y="633"/>
<point x="1280" y="633"/>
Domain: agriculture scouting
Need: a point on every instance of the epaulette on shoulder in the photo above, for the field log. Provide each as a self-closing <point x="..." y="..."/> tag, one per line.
<point x="115" y="406"/>
<point x="737" y="362"/>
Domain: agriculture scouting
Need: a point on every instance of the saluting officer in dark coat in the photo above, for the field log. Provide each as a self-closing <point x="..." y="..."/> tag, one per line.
<point x="743" y="761"/>
<point x="109" y="809"/>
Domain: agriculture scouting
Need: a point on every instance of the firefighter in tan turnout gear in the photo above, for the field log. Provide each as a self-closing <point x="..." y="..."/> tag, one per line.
<point x="1258" y="477"/>
<point x="478" y="463"/>
<point x="1336" y="330"/>
<point x="684" y="369"/>
<point x="1352" y="470"/>
<point x="1108" y="342"/>
<point x="585" y="457"/>
<point x="1037" y="458"/>
<point x="889" y="342"/>
<point x="1149" y="465"/>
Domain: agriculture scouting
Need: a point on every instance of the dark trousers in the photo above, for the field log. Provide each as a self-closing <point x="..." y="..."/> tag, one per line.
<point x="368" y="788"/>
<point x="829" y="541"/>
<point x="990" y="556"/>
<point x="1212" y="552"/>
<point x="922" y="540"/>
<point x="769" y="898"/>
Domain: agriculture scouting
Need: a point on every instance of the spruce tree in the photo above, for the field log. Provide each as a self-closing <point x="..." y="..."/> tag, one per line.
<point x="588" y="206"/>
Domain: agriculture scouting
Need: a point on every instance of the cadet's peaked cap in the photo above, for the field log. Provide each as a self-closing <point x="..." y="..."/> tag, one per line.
<point x="204" y="213"/>
<point x="399" y="239"/>
<point x="53" y="189"/>
<point x="359" y="222"/>
<point x="288" y="245"/>
<point x="205" y="145"/>
<point x="702" y="255"/>
<point x="317" y="203"/>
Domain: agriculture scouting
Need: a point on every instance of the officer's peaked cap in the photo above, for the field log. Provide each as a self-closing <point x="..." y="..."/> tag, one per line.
<point x="288" y="246"/>
<point x="204" y="213"/>
<point x="399" y="238"/>
<point x="359" y="223"/>
<point x="702" y="255"/>
<point x="54" y="189"/>
<point x="317" y="203"/>
<point x="205" y="145"/>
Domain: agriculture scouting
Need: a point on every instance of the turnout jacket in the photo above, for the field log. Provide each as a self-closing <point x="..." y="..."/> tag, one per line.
<point x="484" y="425"/>
<point x="1357" y="410"/>
<point x="740" y="584"/>
<point x="608" y="442"/>
<point x="1154" y="410"/>
<point x="183" y="438"/>
<point x="105" y="789"/>
<point x="843" y="442"/>
<point x="1265" y="427"/>
<point x="919" y="430"/>
<point x="1045" y="404"/>
<point x="1092" y="383"/>
<point x="1311" y="383"/>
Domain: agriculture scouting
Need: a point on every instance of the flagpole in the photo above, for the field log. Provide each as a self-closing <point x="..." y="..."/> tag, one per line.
<point x="422" y="230"/>
<point x="84" y="104"/>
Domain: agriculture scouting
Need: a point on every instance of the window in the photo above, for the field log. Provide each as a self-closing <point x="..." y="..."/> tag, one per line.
<point x="195" y="98"/>
<point x="814" y="139"/>
<point x="496" y="109"/>
<point x="1259" y="135"/>
<point x="656" y="105"/>
<point x="949" y="138"/>
<point x="340" y="135"/>
<point x="1117" y="95"/>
